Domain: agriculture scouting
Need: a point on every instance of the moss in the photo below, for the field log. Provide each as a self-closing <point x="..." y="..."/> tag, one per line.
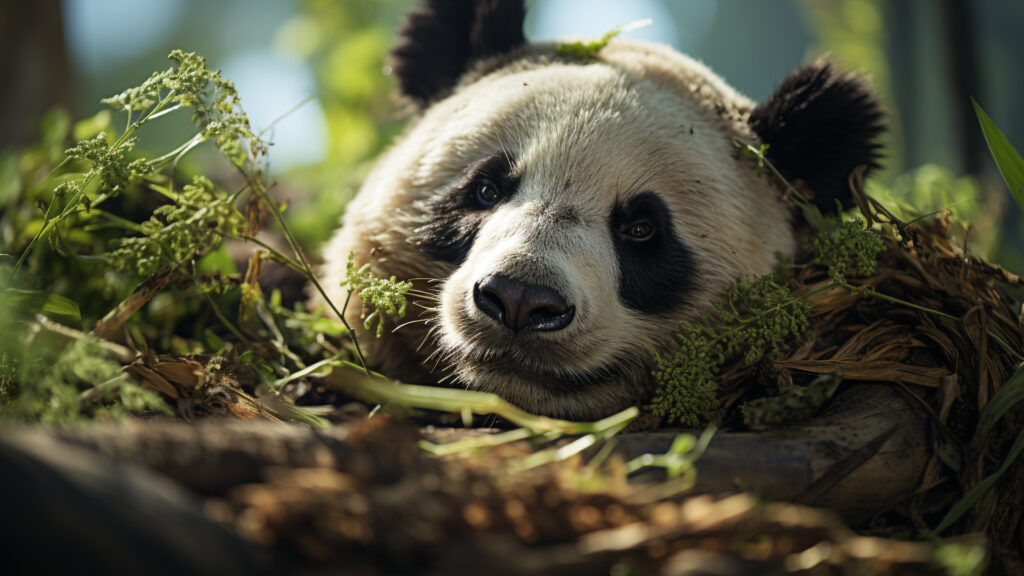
<point x="848" y="249"/>
<point x="754" y="321"/>
<point x="795" y="404"/>
<point x="55" y="393"/>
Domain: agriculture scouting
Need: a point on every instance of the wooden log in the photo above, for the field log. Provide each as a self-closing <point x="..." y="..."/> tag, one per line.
<point x="830" y="461"/>
<point x="68" y="510"/>
<point x="795" y="464"/>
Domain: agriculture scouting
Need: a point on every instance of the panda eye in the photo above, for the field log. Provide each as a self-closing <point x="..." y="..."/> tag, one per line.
<point x="486" y="193"/>
<point x="637" y="230"/>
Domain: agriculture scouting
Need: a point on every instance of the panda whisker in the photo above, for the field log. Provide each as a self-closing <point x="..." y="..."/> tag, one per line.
<point x="504" y="150"/>
<point x="408" y="323"/>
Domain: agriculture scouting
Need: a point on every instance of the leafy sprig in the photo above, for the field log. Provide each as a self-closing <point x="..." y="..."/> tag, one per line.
<point x="587" y="51"/>
<point x="385" y="297"/>
<point x="175" y="233"/>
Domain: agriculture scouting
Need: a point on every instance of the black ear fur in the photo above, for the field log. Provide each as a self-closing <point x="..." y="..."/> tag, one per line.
<point x="439" y="42"/>
<point x="819" y="125"/>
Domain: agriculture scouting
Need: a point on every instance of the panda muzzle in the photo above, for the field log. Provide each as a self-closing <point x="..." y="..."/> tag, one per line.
<point x="522" y="307"/>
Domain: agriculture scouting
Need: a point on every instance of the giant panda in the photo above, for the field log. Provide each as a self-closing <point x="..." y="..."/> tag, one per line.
<point x="566" y="216"/>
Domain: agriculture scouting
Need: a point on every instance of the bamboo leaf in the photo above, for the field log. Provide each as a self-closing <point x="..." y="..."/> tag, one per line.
<point x="1009" y="161"/>
<point x="32" y="302"/>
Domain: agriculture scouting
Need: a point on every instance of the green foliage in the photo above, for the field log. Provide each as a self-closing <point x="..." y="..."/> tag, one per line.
<point x="847" y="248"/>
<point x="748" y="152"/>
<point x="57" y="383"/>
<point x="91" y="195"/>
<point x="961" y="558"/>
<point x="213" y="99"/>
<point x="176" y="233"/>
<point x="586" y="51"/>
<point x="385" y="296"/>
<point x="687" y="391"/>
<point x="754" y="321"/>
<point x="795" y="404"/>
<point x="27" y="303"/>
<point x="1010" y="394"/>
<point x="111" y="162"/>
<point x="761" y="318"/>
<point x="1009" y="161"/>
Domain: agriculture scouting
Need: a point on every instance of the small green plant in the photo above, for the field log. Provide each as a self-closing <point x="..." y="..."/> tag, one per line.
<point x="177" y="246"/>
<point x="195" y="223"/>
<point x="587" y="51"/>
<point x="79" y="381"/>
<point x="386" y="297"/>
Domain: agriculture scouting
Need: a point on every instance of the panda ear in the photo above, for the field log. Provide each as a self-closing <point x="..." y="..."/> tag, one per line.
<point x="438" y="43"/>
<point x="819" y="125"/>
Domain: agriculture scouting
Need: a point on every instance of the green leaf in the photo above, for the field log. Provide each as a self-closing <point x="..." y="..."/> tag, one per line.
<point x="588" y="51"/>
<point x="1009" y="161"/>
<point x="89" y="127"/>
<point x="56" y="305"/>
<point x="30" y="302"/>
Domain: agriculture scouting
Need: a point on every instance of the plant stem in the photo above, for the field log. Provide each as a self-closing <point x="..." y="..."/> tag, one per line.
<point x="257" y="185"/>
<point x="456" y="401"/>
<point x="223" y="320"/>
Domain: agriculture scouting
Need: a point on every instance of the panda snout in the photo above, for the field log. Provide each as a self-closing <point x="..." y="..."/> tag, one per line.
<point x="520" y="306"/>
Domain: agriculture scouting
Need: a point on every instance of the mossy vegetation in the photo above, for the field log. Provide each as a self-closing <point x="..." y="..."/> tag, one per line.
<point x="754" y="321"/>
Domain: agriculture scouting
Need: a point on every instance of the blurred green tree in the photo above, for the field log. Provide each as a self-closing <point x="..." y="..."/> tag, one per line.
<point x="347" y="43"/>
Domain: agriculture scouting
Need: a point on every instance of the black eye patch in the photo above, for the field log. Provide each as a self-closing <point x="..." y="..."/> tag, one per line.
<point x="457" y="214"/>
<point x="656" y="274"/>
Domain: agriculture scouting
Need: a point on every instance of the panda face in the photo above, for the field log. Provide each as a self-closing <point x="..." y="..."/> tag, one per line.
<point x="572" y="233"/>
<point x="568" y="215"/>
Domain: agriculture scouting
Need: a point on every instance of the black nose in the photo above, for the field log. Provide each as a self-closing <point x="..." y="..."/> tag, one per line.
<point x="522" y="306"/>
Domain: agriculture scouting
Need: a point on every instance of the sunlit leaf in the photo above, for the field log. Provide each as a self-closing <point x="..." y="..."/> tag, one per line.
<point x="1009" y="161"/>
<point x="31" y="302"/>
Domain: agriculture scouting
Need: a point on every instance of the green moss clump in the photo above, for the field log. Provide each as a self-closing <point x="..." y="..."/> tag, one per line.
<point x="848" y="249"/>
<point x="687" y="391"/>
<point x="795" y="404"/>
<point x="51" y="390"/>
<point x="754" y="321"/>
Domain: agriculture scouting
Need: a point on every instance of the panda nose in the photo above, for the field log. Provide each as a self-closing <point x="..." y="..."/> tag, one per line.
<point x="521" y="306"/>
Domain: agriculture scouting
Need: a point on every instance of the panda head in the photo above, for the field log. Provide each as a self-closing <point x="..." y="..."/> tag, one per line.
<point x="571" y="214"/>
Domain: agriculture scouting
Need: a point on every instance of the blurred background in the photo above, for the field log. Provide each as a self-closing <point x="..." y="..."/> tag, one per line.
<point x="318" y="67"/>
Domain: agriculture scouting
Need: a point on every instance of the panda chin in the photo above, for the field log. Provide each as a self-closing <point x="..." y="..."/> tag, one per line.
<point x="555" y="390"/>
